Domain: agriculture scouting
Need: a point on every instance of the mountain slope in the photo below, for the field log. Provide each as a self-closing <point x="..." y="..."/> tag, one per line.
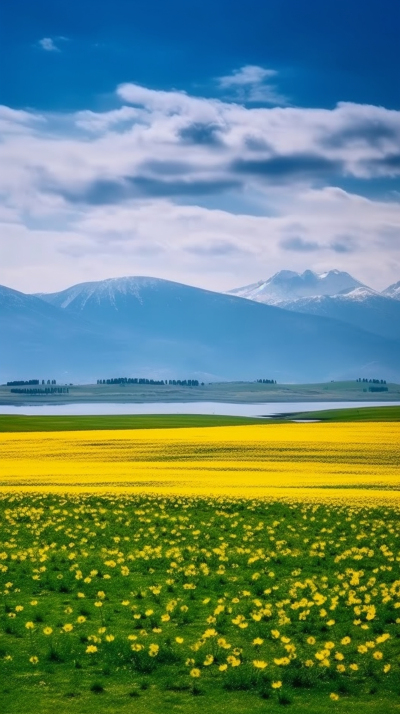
<point x="361" y="307"/>
<point x="288" y="285"/>
<point x="157" y="327"/>
<point x="38" y="340"/>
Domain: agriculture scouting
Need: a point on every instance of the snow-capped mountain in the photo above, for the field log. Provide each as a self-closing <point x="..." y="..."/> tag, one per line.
<point x="139" y="326"/>
<point x="288" y="285"/>
<point x="361" y="307"/>
<point x="393" y="291"/>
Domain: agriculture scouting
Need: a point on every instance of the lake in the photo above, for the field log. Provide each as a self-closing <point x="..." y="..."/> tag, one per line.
<point x="221" y="408"/>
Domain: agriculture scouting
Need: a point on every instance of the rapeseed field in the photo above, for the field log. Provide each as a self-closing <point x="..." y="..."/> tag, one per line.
<point x="234" y="569"/>
<point x="313" y="461"/>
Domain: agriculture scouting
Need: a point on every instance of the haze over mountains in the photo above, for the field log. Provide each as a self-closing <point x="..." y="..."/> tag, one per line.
<point x="139" y="326"/>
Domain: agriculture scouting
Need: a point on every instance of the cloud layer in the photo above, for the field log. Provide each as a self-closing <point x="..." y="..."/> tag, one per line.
<point x="212" y="192"/>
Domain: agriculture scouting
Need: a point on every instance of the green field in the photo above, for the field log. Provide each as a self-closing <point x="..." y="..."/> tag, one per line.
<point x="11" y="423"/>
<point x="387" y="413"/>
<point x="156" y="605"/>
<point x="135" y="421"/>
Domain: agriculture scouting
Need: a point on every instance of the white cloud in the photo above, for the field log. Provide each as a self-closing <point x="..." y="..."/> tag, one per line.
<point x="48" y="44"/>
<point x="251" y="84"/>
<point x="165" y="185"/>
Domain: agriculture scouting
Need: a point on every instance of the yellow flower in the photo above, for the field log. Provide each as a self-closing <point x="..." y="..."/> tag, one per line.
<point x="81" y="619"/>
<point x="195" y="672"/>
<point x="153" y="650"/>
<point x="260" y="664"/>
<point x="19" y="608"/>
<point x="80" y="595"/>
<point x="91" y="649"/>
<point x="334" y="697"/>
<point x="98" y="603"/>
<point x="208" y="660"/>
<point x="223" y="667"/>
<point x="34" y="659"/>
<point x="309" y="663"/>
<point x="354" y="667"/>
<point x="136" y="647"/>
<point x="341" y="668"/>
<point x="276" y="685"/>
<point x="387" y="668"/>
<point x="275" y="634"/>
<point x="30" y="625"/>
<point x="47" y="630"/>
<point x="68" y="627"/>
<point x="258" y="641"/>
<point x="179" y="640"/>
<point x="377" y="655"/>
<point x="165" y="617"/>
<point x="110" y="638"/>
<point x="311" y="640"/>
<point x="345" y="641"/>
<point x="34" y="602"/>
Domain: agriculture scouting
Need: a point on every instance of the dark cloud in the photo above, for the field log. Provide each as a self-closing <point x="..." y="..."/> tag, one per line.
<point x="343" y="244"/>
<point x="371" y="132"/>
<point x="102" y="192"/>
<point x="203" y="134"/>
<point x="387" y="164"/>
<point x="299" y="245"/>
<point x="280" y="168"/>
<point x="218" y="248"/>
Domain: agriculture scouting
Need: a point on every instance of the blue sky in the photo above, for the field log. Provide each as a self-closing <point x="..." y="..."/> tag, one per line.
<point x="195" y="140"/>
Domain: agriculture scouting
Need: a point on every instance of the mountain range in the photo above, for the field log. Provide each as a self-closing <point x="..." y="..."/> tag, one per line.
<point x="139" y="326"/>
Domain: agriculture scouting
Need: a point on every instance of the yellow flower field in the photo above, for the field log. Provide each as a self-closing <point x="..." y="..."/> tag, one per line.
<point x="298" y="461"/>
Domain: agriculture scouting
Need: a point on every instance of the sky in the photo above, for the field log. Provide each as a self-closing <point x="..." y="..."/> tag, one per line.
<point x="211" y="143"/>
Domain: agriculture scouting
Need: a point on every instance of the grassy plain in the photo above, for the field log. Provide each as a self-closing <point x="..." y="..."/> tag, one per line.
<point x="231" y="569"/>
<point x="241" y="392"/>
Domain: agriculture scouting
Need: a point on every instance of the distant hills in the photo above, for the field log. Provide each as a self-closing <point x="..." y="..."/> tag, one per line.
<point x="332" y="294"/>
<point x="157" y="328"/>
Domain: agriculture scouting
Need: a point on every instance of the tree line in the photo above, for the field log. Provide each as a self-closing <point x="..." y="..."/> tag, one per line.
<point x="156" y="382"/>
<point x="38" y="391"/>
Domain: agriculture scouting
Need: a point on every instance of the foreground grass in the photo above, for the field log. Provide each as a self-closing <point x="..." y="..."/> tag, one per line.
<point x="152" y="604"/>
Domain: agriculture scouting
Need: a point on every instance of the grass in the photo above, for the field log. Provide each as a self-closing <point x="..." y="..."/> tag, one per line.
<point x="22" y="423"/>
<point x="386" y="413"/>
<point x="114" y="603"/>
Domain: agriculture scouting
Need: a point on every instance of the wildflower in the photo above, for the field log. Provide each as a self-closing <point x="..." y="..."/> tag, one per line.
<point x="19" y="608"/>
<point x="275" y="634"/>
<point x="276" y="685"/>
<point x="258" y="641"/>
<point x="91" y="649"/>
<point x="208" y="660"/>
<point x="68" y="627"/>
<point x="223" y="667"/>
<point x="81" y="619"/>
<point x="195" y="672"/>
<point x="136" y="647"/>
<point x="341" y="668"/>
<point x="47" y="630"/>
<point x="345" y="641"/>
<point x="377" y="655"/>
<point x="387" y="668"/>
<point x="110" y="638"/>
<point x="309" y="663"/>
<point x="179" y="640"/>
<point x="34" y="659"/>
<point x="354" y="667"/>
<point x="259" y="663"/>
<point x="311" y="640"/>
<point x="153" y="650"/>
<point x="34" y="602"/>
<point x="334" y="697"/>
<point x="98" y="603"/>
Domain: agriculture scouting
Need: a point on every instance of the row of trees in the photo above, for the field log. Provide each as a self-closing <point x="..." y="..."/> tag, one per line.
<point x="29" y="382"/>
<point x="371" y="381"/>
<point x="157" y="382"/>
<point x="35" y="391"/>
<point x="266" y="381"/>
